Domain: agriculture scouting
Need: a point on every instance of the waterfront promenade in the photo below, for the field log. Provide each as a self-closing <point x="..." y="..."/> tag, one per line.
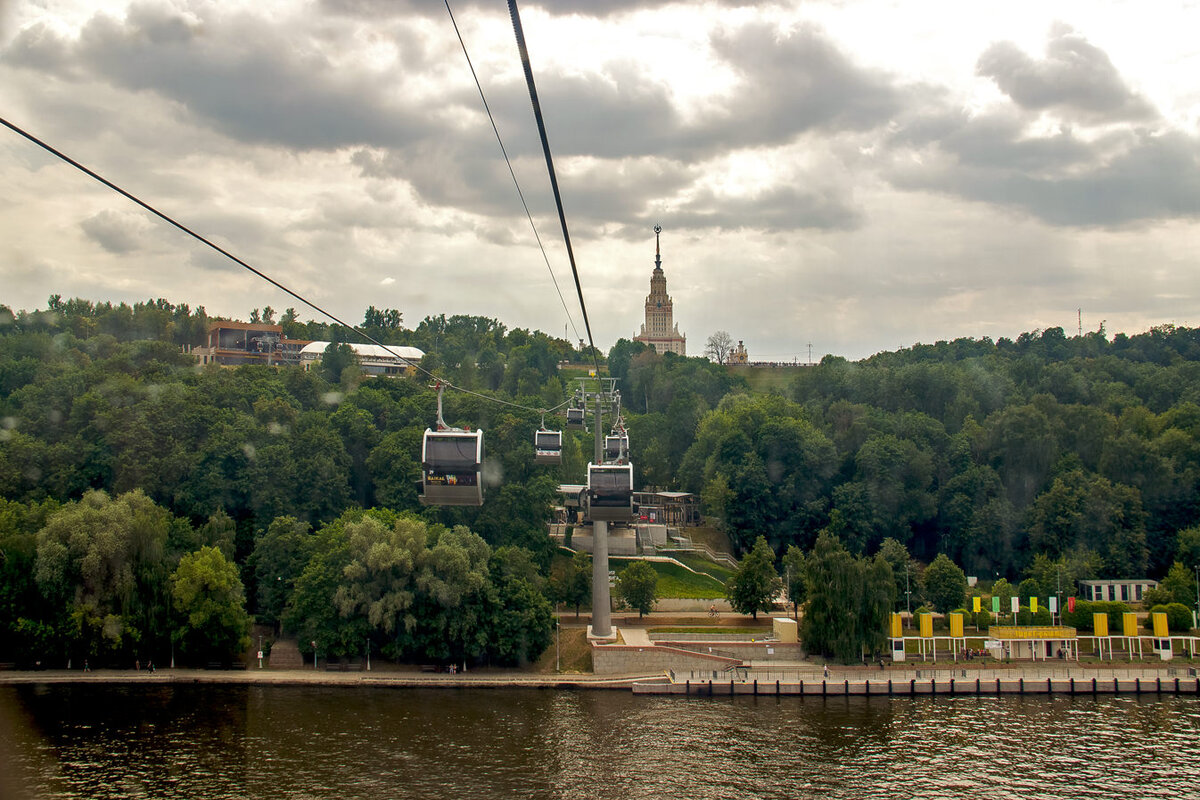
<point x="804" y="679"/>
<point x="483" y="679"/>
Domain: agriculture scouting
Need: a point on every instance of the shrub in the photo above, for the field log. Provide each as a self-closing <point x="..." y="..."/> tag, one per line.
<point x="1179" y="617"/>
<point x="1157" y="596"/>
<point x="1027" y="617"/>
<point x="1081" y="617"/>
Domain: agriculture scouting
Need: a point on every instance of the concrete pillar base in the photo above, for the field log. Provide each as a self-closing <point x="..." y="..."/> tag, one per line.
<point x="612" y="637"/>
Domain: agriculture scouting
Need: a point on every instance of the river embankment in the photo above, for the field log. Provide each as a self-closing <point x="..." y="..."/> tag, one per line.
<point x="384" y="677"/>
<point x="807" y="681"/>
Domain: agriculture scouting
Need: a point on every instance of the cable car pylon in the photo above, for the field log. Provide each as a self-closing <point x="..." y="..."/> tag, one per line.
<point x="608" y="497"/>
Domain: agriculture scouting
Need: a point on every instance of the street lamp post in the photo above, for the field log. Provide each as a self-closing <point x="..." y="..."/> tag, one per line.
<point x="1058" y="597"/>
<point x="557" y="634"/>
<point x="314" y="644"/>
<point x="1197" y="590"/>
<point x="907" y="594"/>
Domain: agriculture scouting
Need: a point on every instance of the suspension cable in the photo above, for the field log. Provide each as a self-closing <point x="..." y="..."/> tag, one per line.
<point x="511" y="172"/>
<point x="562" y="217"/>
<point x="171" y="221"/>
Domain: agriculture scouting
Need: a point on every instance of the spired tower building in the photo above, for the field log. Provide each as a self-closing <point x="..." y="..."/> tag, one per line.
<point x="659" y="330"/>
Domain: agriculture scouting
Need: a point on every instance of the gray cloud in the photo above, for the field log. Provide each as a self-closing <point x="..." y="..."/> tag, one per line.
<point x="376" y="9"/>
<point x="1076" y="78"/>
<point x="797" y="82"/>
<point x="1153" y="177"/>
<point x="781" y="208"/>
<point x="249" y="78"/>
<point x="1071" y="176"/>
<point x="996" y="141"/>
<point x="117" y="233"/>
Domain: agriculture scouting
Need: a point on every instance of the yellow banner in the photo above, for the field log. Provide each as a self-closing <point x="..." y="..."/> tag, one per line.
<point x="926" y="625"/>
<point x="1129" y="623"/>
<point x="956" y="625"/>
<point x="976" y="604"/>
<point x="1033" y="604"/>
<point x="1159" y="619"/>
<point x="897" y="626"/>
<point x="1031" y="632"/>
<point x="1100" y="624"/>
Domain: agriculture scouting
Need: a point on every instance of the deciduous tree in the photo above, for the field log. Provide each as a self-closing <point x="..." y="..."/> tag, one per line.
<point x="755" y="584"/>
<point x="208" y="595"/>
<point x="719" y="346"/>
<point x="945" y="584"/>
<point x="637" y="585"/>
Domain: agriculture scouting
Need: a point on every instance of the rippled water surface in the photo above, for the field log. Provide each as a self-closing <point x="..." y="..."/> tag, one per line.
<point x="268" y="742"/>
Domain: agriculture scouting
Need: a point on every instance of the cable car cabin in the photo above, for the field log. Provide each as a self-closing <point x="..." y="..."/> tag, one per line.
<point x="451" y="462"/>
<point x="610" y="492"/>
<point x="575" y="419"/>
<point x="547" y="447"/>
<point x="616" y="447"/>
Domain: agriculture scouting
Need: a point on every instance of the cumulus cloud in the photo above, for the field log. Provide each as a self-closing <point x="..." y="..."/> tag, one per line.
<point x="1148" y="178"/>
<point x="794" y="81"/>
<point x="245" y="75"/>
<point x="810" y="190"/>
<point x="1075" y="78"/>
<point x="117" y="233"/>
<point x="1096" y="167"/>
<point x="374" y="9"/>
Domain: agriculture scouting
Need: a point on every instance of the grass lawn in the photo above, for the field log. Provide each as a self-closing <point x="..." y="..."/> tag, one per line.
<point x="575" y="654"/>
<point x="717" y="540"/>
<point x="676" y="582"/>
<point x="765" y="380"/>
<point x="731" y="630"/>
<point x="702" y="563"/>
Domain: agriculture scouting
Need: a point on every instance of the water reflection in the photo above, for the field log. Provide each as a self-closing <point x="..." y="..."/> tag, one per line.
<point x="235" y="742"/>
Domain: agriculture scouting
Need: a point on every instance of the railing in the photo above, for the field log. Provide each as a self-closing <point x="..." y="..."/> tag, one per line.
<point x="721" y="558"/>
<point x="858" y="675"/>
<point x="766" y="635"/>
<point x="839" y="675"/>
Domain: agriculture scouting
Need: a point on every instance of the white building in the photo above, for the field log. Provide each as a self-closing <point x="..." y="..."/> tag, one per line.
<point x="374" y="359"/>
<point x="1125" y="591"/>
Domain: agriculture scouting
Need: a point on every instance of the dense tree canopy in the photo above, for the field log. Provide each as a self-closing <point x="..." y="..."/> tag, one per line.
<point x="1043" y="457"/>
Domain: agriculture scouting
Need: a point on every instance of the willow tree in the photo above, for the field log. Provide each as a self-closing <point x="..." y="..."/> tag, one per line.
<point x="848" y="601"/>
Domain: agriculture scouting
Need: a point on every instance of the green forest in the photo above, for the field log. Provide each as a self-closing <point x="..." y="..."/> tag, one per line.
<point x="152" y="507"/>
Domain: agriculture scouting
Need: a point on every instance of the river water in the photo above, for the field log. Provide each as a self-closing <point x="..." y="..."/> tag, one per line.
<point x="201" y="741"/>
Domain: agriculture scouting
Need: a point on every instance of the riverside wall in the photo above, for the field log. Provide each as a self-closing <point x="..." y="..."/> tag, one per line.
<point x="1157" y="684"/>
<point x="620" y="659"/>
<point x="742" y="650"/>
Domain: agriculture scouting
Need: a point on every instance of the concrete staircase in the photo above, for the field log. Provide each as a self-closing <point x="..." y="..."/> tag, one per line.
<point x="285" y="654"/>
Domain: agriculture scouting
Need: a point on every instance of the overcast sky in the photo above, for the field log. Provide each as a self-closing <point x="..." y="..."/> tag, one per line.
<point x="860" y="176"/>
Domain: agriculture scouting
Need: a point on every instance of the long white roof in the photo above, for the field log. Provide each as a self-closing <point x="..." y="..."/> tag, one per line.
<point x="369" y="351"/>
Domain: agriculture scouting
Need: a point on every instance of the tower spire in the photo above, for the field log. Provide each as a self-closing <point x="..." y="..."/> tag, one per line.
<point x="657" y="255"/>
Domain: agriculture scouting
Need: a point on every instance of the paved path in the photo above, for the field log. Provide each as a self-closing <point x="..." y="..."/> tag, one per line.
<point x="636" y="637"/>
<point x="310" y="677"/>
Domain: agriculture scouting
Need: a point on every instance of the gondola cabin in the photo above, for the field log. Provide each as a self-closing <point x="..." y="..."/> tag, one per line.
<point x="610" y="492"/>
<point x="616" y="447"/>
<point x="575" y="419"/>
<point x="547" y="447"/>
<point x="451" y="463"/>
